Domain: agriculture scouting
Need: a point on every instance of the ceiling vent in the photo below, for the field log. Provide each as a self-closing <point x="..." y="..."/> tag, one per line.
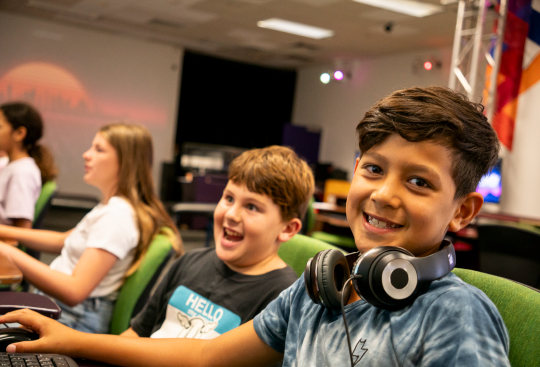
<point x="164" y="23"/>
<point x="304" y="46"/>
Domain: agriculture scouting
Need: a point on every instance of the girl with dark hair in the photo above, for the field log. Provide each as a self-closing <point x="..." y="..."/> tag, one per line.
<point x="30" y="164"/>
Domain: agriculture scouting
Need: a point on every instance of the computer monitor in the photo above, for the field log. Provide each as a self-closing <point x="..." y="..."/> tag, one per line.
<point x="490" y="185"/>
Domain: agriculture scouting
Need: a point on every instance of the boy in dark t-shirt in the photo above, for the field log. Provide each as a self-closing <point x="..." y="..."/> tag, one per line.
<point x="219" y="294"/>
<point x="208" y="292"/>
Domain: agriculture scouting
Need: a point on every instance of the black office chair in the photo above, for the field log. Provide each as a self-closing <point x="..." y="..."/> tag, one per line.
<point x="511" y="251"/>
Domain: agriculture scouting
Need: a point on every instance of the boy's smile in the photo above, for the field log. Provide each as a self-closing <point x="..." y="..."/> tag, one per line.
<point x="402" y="194"/>
<point x="247" y="226"/>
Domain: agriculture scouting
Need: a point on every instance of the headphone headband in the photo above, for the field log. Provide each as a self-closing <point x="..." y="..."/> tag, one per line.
<point x="436" y="265"/>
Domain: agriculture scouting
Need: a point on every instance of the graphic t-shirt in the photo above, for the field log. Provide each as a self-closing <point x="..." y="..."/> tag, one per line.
<point x="190" y="315"/>
<point x="452" y="324"/>
<point x="200" y="297"/>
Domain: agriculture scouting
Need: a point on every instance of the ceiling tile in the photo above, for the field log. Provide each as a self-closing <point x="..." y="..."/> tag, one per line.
<point x="318" y="2"/>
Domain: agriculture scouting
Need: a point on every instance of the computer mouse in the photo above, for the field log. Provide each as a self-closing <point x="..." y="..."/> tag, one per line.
<point x="12" y="335"/>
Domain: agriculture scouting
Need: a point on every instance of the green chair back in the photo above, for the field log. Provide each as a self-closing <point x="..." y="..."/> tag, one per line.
<point x="299" y="250"/>
<point x="335" y="239"/>
<point x="136" y="284"/>
<point x="310" y="219"/>
<point x="48" y="191"/>
<point x="519" y="307"/>
<point x="43" y="203"/>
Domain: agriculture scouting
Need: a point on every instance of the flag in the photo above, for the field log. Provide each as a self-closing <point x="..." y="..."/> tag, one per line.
<point x="510" y="71"/>
<point x="521" y="168"/>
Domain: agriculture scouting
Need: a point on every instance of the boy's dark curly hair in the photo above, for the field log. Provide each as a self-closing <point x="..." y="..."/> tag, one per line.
<point x="441" y="115"/>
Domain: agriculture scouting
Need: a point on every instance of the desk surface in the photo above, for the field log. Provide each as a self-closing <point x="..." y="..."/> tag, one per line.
<point x="328" y="207"/>
<point x="333" y="208"/>
<point x="9" y="273"/>
<point x="339" y="220"/>
<point x="509" y="218"/>
<point x="330" y="213"/>
<point x="201" y="208"/>
<point x="89" y="363"/>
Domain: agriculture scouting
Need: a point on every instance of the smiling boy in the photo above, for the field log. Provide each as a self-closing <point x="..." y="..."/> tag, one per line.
<point x="423" y="151"/>
<point x="208" y="292"/>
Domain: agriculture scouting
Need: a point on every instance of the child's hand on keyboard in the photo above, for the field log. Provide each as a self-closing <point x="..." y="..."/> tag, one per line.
<point x="53" y="336"/>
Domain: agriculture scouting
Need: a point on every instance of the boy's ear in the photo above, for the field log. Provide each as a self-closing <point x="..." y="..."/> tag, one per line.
<point x="19" y="133"/>
<point x="468" y="207"/>
<point x="356" y="164"/>
<point x="291" y="228"/>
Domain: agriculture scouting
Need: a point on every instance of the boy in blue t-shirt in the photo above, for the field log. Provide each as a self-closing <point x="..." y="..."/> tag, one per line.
<point x="423" y="152"/>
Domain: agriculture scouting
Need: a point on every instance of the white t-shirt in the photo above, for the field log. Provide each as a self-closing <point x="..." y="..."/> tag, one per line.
<point x="111" y="227"/>
<point x="4" y="161"/>
<point x="20" y="186"/>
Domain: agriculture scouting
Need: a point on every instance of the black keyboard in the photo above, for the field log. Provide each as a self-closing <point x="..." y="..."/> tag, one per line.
<point x="35" y="360"/>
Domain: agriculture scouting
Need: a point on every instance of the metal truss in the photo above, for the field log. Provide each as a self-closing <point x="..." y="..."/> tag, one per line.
<point x="479" y="30"/>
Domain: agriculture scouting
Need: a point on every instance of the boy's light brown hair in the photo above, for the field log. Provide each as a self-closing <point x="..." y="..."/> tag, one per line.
<point x="441" y="115"/>
<point x="278" y="173"/>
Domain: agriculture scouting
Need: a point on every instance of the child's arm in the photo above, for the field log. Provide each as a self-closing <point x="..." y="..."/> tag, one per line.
<point x="37" y="239"/>
<point x="72" y="289"/>
<point x="238" y="347"/>
<point x="130" y="333"/>
<point x="22" y="223"/>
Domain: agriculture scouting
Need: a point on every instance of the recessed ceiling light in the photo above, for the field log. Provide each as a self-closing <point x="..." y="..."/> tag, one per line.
<point x="295" y="28"/>
<point x="409" y="7"/>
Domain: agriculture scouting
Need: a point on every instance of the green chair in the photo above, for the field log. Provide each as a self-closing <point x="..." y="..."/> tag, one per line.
<point x="299" y="250"/>
<point x="137" y="287"/>
<point x="43" y="204"/>
<point x="519" y="307"/>
<point x="335" y="239"/>
<point x="309" y="219"/>
<point x="48" y="192"/>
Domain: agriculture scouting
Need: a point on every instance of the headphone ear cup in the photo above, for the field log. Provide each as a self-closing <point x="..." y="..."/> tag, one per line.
<point x="388" y="281"/>
<point x="332" y="272"/>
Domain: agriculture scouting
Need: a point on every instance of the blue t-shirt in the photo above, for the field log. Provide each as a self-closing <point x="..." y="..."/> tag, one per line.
<point x="452" y="324"/>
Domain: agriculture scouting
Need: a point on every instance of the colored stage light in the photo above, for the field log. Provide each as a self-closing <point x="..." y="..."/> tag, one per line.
<point x="338" y="75"/>
<point x="325" y="78"/>
<point x="428" y="65"/>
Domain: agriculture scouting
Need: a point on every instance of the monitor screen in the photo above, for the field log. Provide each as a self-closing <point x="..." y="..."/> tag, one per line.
<point x="490" y="185"/>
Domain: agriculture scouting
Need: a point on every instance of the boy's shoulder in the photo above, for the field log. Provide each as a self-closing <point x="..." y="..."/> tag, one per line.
<point x="195" y="260"/>
<point x="450" y="313"/>
<point x="450" y="300"/>
<point x="451" y="290"/>
<point x="446" y="292"/>
<point x="205" y="259"/>
<point x="447" y="301"/>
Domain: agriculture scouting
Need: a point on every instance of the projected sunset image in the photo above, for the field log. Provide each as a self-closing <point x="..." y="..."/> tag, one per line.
<point x="44" y="84"/>
<point x="62" y="98"/>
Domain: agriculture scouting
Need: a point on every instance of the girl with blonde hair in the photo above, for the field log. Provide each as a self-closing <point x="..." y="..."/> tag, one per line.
<point x="110" y="241"/>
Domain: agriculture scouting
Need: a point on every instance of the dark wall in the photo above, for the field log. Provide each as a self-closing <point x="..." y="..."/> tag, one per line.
<point x="231" y="103"/>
